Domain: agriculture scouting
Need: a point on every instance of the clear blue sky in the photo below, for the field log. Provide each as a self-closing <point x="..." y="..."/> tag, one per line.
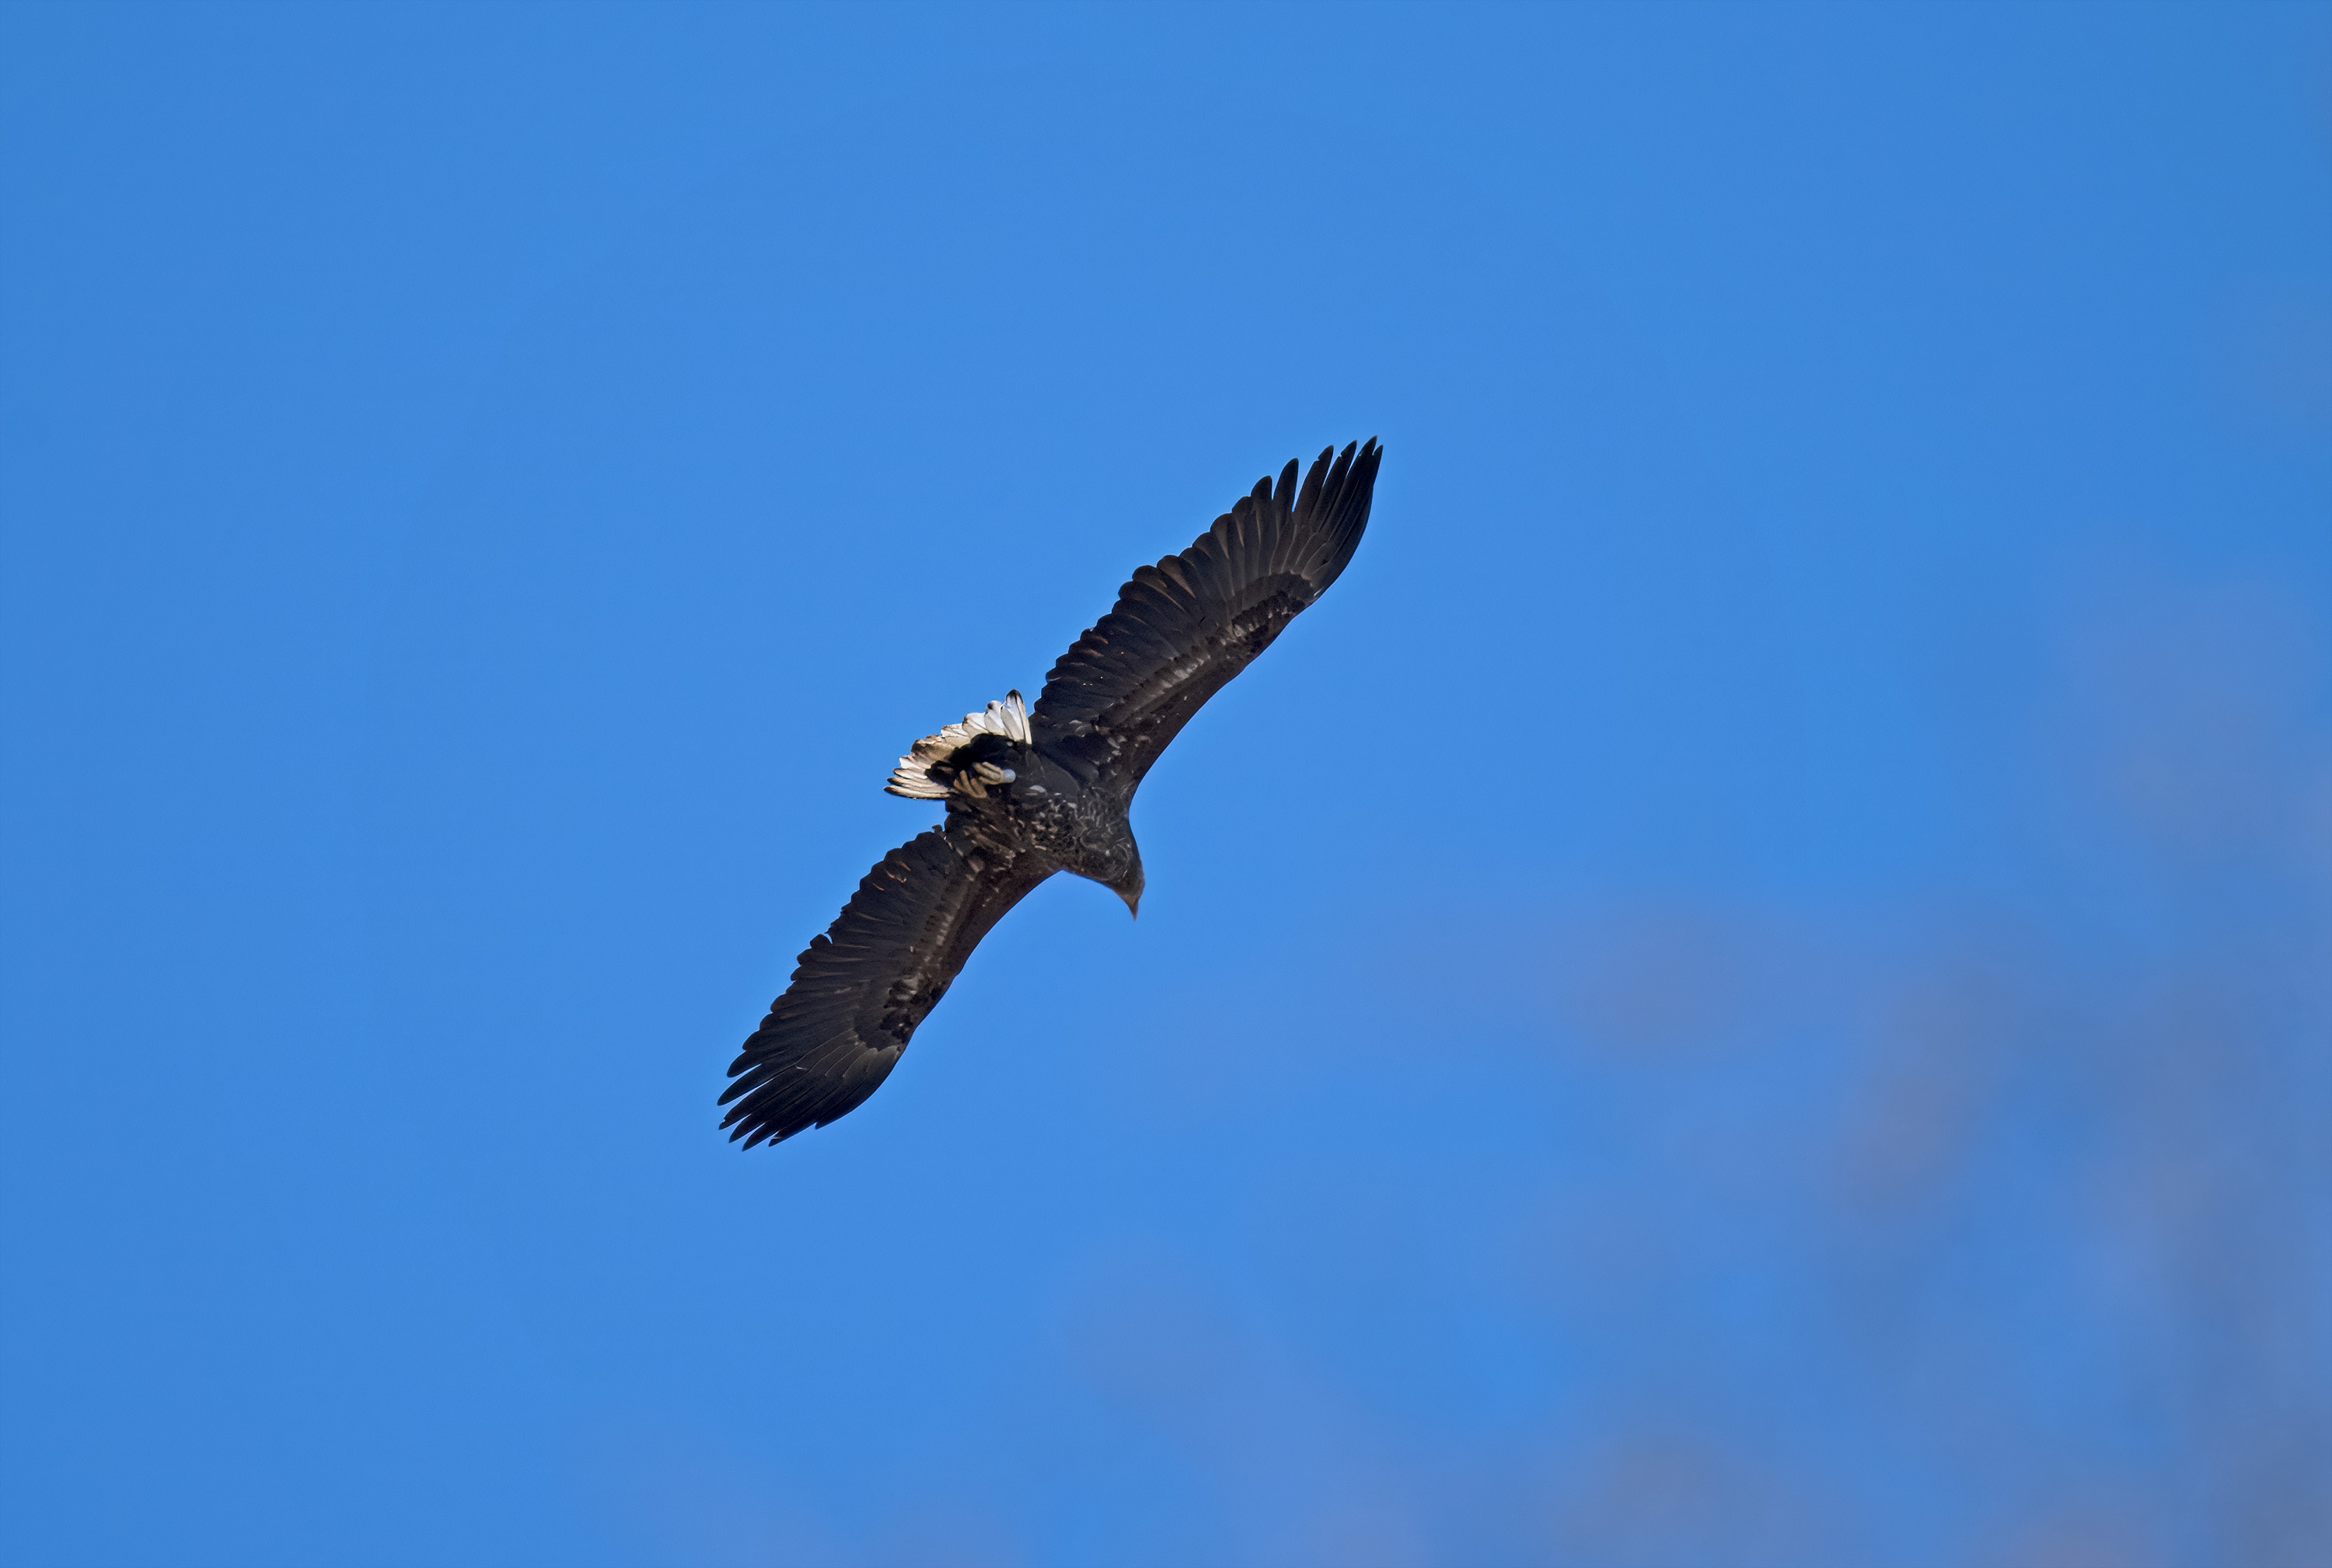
<point x="1752" y="987"/>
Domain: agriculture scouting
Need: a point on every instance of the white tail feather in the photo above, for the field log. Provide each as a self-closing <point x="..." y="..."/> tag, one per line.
<point x="913" y="778"/>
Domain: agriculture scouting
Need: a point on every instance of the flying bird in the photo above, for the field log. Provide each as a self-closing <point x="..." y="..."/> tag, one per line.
<point x="1033" y="791"/>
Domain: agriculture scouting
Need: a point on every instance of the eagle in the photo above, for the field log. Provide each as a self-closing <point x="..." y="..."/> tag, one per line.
<point x="1032" y="791"/>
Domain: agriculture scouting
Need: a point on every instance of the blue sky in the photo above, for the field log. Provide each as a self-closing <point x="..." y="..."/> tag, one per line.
<point x="1750" y="989"/>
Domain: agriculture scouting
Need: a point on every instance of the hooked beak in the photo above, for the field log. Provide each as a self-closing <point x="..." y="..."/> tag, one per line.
<point x="1132" y="903"/>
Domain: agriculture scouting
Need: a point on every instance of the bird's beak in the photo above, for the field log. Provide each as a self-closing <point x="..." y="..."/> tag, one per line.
<point x="1132" y="903"/>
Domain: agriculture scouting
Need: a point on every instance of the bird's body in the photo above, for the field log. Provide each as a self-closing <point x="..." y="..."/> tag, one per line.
<point x="1028" y="794"/>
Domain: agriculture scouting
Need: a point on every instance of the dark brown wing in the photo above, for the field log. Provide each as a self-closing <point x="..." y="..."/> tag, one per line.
<point x="1182" y="628"/>
<point x="860" y="989"/>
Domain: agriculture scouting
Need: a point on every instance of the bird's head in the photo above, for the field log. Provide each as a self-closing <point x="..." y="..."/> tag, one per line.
<point x="1128" y="886"/>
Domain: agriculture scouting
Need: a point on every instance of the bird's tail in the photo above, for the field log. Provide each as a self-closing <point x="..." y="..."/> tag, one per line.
<point x="912" y="777"/>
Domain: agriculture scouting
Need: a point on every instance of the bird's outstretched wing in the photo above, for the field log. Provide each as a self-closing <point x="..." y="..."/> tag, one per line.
<point x="1182" y="628"/>
<point x="860" y="989"/>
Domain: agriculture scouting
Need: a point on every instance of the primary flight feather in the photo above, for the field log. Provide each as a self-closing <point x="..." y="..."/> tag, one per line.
<point x="1032" y="792"/>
